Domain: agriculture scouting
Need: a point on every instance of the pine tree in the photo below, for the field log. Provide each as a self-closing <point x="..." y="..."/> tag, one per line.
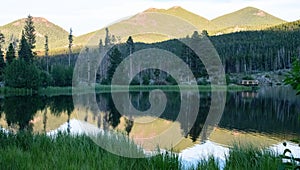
<point x="2" y="40"/>
<point x="21" y="74"/>
<point x="195" y="35"/>
<point x="46" y="53"/>
<point x="10" y="54"/>
<point x="204" y="33"/>
<point x="70" y="46"/>
<point x="115" y="59"/>
<point x="30" y="32"/>
<point x="25" y="52"/>
<point x="100" y="45"/>
<point x="130" y="45"/>
<point x="107" y="38"/>
<point x="2" y="63"/>
<point x="113" y="39"/>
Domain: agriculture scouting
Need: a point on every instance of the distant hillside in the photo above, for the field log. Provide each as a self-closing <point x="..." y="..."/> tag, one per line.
<point x="290" y="26"/>
<point x="200" y="22"/>
<point x="57" y="36"/>
<point x="248" y="18"/>
<point x="154" y="21"/>
<point x="147" y="26"/>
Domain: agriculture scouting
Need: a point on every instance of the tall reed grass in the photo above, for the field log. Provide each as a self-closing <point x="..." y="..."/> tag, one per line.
<point x="25" y="150"/>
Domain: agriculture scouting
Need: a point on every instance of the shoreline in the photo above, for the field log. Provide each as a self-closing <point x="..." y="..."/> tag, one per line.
<point x="52" y="91"/>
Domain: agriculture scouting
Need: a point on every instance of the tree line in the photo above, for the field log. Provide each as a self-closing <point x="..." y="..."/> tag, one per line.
<point x="241" y="52"/>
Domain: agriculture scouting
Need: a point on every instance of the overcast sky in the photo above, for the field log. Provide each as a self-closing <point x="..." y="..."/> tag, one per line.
<point x="88" y="15"/>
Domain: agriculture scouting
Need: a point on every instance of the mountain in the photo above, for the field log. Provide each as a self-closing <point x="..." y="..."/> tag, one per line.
<point x="248" y="18"/>
<point x="151" y="25"/>
<point x="200" y="22"/>
<point x="154" y="21"/>
<point x="57" y="36"/>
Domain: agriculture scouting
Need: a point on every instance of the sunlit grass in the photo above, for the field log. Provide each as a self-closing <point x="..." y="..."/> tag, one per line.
<point x="211" y="163"/>
<point x="251" y="157"/>
<point x="25" y="150"/>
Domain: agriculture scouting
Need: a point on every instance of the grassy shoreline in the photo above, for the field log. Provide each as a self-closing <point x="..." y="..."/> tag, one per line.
<point x="25" y="150"/>
<point x="8" y="91"/>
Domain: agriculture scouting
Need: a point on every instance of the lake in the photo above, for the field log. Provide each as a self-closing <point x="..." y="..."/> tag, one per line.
<point x="265" y="116"/>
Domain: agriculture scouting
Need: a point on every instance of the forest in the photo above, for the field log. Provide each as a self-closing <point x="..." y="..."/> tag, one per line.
<point x="242" y="52"/>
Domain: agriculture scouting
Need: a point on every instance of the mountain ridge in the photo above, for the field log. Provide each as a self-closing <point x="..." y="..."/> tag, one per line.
<point x="250" y="17"/>
<point x="151" y="21"/>
<point x="57" y="36"/>
<point x="214" y="26"/>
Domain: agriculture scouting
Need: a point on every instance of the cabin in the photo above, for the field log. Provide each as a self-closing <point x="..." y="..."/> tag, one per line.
<point x="250" y="82"/>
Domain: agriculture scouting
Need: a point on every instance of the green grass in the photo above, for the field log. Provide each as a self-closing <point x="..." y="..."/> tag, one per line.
<point x="210" y="164"/>
<point x="251" y="157"/>
<point x="52" y="91"/>
<point x="9" y="91"/>
<point x="25" y="150"/>
<point x="247" y="157"/>
<point x="136" y="88"/>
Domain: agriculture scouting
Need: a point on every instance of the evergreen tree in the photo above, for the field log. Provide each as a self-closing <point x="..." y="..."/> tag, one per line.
<point x="107" y="38"/>
<point x="2" y="63"/>
<point x="2" y="40"/>
<point x="21" y="74"/>
<point x="100" y="45"/>
<point x="25" y="52"/>
<point x="46" y="53"/>
<point x="195" y="35"/>
<point x="62" y="75"/>
<point x="30" y="32"/>
<point x="113" y="39"/>
<point x="115" y="59"/>
<point x="204" y="33"/>
<point x="130" y="45"/>
<point x="10" y="54"/>
<point x="70" y="46"/>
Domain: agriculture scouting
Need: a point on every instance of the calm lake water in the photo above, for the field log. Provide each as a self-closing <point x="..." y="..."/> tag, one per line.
<point x="265" y="116"/>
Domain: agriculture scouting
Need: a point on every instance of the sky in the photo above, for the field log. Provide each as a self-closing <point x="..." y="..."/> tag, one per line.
<point x="84" y="16"/>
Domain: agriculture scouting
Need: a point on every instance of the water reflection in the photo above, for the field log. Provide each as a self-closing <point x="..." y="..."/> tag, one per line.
<point x="271" y="111"/>
<point x="20" y="111"/>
